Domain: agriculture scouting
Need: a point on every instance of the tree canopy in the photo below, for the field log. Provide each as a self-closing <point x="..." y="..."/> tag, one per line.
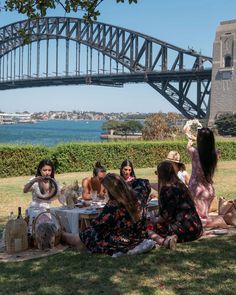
<point x="39" y="8"/>
<point x="123" y="127"/>
<point x="161" y="126"/>
<point x="226" y="124"/>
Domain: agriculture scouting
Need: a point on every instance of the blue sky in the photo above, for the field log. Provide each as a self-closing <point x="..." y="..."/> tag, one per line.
<point x="184" y="23"/>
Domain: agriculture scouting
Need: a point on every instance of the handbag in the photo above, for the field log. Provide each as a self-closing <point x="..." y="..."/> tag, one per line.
<point x="228" y="210"/>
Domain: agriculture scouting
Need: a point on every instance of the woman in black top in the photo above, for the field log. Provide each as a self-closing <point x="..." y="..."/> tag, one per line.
<point x="178" y="220"/>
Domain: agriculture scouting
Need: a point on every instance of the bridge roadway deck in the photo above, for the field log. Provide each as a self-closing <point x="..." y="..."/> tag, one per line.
<point x="116" y="80"/>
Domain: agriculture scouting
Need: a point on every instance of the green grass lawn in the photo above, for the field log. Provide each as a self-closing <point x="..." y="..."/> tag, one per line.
<point x="202" y="267"/>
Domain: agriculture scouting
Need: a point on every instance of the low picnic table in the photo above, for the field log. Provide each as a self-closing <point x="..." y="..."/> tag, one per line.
<point x="76" y="219"/>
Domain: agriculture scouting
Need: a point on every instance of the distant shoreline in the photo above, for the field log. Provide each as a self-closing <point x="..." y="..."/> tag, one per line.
<point x="122" y="137"/>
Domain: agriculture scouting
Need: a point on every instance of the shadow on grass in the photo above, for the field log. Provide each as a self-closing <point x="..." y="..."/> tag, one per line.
<point x="201" y="267"/>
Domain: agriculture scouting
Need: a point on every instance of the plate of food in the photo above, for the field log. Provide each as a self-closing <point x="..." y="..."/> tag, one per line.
<point x="80" y="204"/>
<point x="221" y="231"/>
<point x="153" y="203"/>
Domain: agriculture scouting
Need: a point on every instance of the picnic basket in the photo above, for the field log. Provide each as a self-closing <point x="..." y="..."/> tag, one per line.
<point x="54" y="218"/>
<point x="16" y="235"/>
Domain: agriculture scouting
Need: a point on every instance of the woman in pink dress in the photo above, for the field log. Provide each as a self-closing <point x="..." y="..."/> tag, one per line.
<point x="204" y="161"/>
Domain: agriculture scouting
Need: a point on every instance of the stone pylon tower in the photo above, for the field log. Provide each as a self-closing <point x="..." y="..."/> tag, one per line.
<point x="223" y="87"/>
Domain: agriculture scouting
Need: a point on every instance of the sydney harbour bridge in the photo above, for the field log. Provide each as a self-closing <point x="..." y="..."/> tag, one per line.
<point x="55" y="51"/>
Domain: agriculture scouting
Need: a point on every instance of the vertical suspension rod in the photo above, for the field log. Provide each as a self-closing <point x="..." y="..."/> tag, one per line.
<point x="47" y="47"/>
<point x="22" y="63"/>
<point x="67" y="56"/>
<point x="38" y="59"/>
<point x="14" y="71"/>
<point x="19" y="62"/>
<point x="11" y="66"/>
<point x="56" y="56"/>
<point x="7" y="67"/>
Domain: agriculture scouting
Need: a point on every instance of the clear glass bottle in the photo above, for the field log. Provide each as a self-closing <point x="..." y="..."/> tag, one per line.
<point x="11" y="216"/>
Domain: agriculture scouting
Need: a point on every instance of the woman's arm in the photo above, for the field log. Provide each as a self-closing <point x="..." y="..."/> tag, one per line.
<point x="28" y="187"/>
<point x="154" y="186"/>
<point x="186" y="178"/>
<point x="190" y="147"/>
<point x="189" y="144"/>
<point x="102" y="192"/>
<point x="86" y="189"/>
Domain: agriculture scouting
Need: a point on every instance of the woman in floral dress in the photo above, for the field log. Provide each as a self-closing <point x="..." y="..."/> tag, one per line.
<point x="122" y="223"/>
<point x="178" y="220"/>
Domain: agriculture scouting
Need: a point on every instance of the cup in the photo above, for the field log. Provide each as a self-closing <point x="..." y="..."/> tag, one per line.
<point x="94" y="195"/>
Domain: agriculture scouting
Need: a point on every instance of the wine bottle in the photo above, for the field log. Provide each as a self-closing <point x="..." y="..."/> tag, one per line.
<point x="19" y="213"/>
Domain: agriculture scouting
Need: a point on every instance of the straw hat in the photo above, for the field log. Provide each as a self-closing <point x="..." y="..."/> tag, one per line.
<point x="173" y="156"/>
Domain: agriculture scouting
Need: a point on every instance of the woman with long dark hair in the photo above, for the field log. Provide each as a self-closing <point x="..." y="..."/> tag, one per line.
<point x="44" y="189"/>
<point x="127" y="171"/>
<point x="122" y="223"/>
<point x="43" y="185"/>
<point x="178" y="220"/>
<point x="204" y="162"/>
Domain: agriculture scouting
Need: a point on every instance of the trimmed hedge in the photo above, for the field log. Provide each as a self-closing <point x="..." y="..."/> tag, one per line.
<point x="18" y="160"/>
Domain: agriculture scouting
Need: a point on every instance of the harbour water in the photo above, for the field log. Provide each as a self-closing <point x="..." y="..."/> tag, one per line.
<point x="51" y="132"/>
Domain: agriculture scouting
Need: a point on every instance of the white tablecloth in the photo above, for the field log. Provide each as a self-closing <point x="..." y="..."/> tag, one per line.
<point x="70" y="217"/>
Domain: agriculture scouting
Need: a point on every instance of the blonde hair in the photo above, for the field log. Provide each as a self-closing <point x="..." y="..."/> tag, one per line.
<point x="120" y="191"/>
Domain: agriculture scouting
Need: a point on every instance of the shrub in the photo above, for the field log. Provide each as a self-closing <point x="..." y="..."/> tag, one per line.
<point x="18" y="160"/>
<point x="77" y="157"/>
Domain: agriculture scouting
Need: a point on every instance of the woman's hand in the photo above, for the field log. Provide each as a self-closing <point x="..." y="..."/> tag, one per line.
<point x="37" y="179"/>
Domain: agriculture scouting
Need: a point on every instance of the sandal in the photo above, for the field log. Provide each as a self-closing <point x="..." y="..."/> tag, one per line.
<point x="170" y="242"/>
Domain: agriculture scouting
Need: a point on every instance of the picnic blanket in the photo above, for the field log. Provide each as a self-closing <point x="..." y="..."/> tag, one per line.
<point x="213" y="232"/>
<point x="29" y="254"/>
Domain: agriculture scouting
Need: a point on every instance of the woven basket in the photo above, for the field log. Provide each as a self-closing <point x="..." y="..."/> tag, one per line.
<point x="16" y="236"/>
<point x="59" y="231"/>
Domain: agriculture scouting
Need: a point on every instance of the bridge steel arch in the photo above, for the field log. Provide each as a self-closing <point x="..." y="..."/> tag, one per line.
<point x="111" y="55"/>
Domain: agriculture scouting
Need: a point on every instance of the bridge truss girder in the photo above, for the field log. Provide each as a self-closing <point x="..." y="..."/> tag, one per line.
<point x="170" y="70"/>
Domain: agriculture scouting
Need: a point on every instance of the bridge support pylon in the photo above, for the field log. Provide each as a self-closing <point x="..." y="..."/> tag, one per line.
<point x="223" y="86"/>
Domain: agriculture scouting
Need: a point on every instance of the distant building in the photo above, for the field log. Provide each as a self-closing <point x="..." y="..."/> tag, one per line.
<point x="15" y="118"/>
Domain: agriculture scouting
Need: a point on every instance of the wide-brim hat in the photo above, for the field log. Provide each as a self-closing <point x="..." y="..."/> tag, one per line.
<point x="174" y="156"/>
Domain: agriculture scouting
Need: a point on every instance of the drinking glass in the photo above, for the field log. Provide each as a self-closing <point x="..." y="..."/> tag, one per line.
<point x="94" y="195"/>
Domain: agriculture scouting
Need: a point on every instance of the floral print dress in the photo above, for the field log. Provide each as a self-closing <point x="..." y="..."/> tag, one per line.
<point x="202" y="191"/>
<point x="113" y="230"/>
<point x="179" y="213"/>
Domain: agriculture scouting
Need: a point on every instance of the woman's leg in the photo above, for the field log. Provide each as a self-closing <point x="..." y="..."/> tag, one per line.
<point x="73" y="240"/>
<point x="168" y="242"/>
<point x="203" y="198"/>
<point x="216" y="222"/>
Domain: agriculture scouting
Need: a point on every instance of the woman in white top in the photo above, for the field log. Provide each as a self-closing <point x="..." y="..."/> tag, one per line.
<point x="44" y="189"/>
<point x="183" y="174"/>
<point x="179" y="167"/>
